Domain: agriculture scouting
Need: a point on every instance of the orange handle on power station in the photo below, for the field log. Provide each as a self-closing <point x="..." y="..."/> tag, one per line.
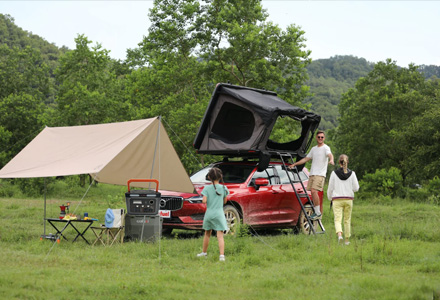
<point x="143" y="180"/>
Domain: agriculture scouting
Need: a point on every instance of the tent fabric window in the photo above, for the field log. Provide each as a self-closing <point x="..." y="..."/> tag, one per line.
<point x="234" y="124"/>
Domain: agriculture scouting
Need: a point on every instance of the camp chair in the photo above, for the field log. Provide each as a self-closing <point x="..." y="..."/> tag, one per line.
<point x="109" y="232"/>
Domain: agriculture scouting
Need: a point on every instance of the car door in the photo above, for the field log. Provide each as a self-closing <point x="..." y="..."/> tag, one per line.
<point x="261" y="203"/>
<point x="289" y="205"/>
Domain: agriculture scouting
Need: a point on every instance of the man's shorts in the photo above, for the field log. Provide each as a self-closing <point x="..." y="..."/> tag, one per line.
<point x="316" y="182"/>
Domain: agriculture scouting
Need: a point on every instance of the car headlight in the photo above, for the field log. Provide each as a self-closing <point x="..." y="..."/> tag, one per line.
<point x="195" y="199"/>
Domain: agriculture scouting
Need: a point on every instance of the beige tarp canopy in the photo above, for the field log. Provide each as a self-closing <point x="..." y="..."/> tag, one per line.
<point x="110" y="153"/>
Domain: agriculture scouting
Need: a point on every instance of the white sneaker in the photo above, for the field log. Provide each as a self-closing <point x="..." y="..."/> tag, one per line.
<point x="340" y="239"/>
<point x="347" y="243"/>
<point x="222" y="258"/>
<point x="203" y="254"/>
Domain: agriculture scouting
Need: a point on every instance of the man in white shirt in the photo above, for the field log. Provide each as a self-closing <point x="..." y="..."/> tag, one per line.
<point x="320" y="156"/>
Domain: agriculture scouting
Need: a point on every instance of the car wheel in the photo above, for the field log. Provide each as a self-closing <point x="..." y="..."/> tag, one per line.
<point x="303" y="224"/>
<point x="232" y="219"/>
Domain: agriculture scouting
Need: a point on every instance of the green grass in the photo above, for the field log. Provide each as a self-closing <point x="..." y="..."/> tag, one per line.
<point x="394" y="254"/>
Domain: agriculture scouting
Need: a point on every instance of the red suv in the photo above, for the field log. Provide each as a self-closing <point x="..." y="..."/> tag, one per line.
<point x="260" y="199"/>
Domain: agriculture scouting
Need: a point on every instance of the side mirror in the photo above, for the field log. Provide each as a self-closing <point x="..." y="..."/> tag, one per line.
<point x="261" y="182"/>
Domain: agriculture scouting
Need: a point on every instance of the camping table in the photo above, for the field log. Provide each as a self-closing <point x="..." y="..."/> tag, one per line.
<point x="71" y="223"/>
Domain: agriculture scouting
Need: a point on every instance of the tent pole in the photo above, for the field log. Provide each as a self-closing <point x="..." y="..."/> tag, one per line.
<point x="154" y="158"/>
<point x="44" y="217"/>
<point x="155" y="148"/>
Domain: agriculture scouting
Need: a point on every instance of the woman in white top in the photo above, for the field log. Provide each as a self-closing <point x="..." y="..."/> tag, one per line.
<point x="341" y="188"/>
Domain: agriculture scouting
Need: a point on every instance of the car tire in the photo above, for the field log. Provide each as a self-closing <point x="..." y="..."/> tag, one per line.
<point x="232" y="219"/>
<point x="303" y="225"/>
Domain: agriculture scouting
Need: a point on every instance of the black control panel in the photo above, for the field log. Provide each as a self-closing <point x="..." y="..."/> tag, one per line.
<point x="142" y="202"/>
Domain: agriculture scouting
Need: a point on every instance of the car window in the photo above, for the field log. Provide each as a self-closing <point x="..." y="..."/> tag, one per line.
<point x="269" y="174"/>
<point x="303" y="176"/>
<point x="232" y="173"/>
<point x="200" y="176"/>
<point x="293" y="175"/>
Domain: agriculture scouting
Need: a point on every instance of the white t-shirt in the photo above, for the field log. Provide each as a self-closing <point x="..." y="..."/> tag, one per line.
<point x="319" y="160"/>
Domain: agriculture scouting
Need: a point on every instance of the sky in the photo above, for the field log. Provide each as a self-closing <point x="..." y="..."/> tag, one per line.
<point x="405" y="31"/>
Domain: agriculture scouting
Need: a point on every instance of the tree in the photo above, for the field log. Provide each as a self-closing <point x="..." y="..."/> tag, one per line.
<point x="24" y="86"/>
<point x="5" y="137"/>
<point x="13" y="37"/>
<point x="376" y="112"/>
<point x="234" y="40"/>
<point x="89" y="91"/>
<point x="192" y="45"/>
<point x="23" y="71"/>
<point x="423" y="136"/>
<point x="242" y="47"/>
<point x="181" y="103"/>
<point x="21" y="119"/>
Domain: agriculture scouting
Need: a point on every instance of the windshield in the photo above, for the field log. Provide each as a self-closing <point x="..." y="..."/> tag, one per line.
<point x="200" y="176"/>
<point x="232" y="173"/>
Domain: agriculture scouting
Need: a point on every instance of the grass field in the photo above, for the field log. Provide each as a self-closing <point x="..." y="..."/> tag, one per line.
<point x="394" y="254"/>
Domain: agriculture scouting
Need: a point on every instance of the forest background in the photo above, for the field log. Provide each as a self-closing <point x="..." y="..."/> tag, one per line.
<point x="384" y="116"/>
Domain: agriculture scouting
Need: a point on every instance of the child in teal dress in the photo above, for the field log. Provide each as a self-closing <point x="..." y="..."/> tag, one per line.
<point x="214" y="196"/>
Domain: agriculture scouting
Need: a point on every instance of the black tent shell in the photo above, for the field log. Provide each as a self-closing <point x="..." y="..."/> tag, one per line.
<point x="239" y="121"/>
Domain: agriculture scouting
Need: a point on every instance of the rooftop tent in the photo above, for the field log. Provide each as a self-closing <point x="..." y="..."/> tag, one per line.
<point x="239" y="121"/>
<point x="111" y="153"/>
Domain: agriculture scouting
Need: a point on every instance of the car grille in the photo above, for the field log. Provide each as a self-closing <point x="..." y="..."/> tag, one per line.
<point x="171" y="203"/>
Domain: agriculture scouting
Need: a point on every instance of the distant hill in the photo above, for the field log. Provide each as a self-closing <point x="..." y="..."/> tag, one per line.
<point x="330" y="78"/>
<point x="430" y="71"/>
<point x="14" y="36"/>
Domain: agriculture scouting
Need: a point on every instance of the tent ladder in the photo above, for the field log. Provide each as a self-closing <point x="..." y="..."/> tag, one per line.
<point x="304" y="194"/>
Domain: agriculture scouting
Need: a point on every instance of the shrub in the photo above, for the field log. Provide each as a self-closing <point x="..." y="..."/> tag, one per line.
<point x="382" y="183"/>
<point x="434" y="190"/>
<point x="67" y="187"/>
<point x="426" y="193"/>
<point x="34" y="187"/>
<point x="434" y="185"/>
<point x="416" y="194"/>
<point x="8" y="190"/>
